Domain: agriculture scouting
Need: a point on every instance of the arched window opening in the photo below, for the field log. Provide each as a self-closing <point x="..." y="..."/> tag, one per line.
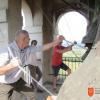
<point x="73" y="26"/>
<point x="27" y="16"/>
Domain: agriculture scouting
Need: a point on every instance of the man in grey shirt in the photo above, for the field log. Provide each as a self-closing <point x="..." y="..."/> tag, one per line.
<point x="10" y="74"/>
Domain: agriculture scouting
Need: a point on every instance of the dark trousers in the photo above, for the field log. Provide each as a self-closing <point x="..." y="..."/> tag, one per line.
<point x="35" y="73"/>
<point x="16" y="91"/>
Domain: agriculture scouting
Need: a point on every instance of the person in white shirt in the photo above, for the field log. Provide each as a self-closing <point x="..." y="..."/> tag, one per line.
<point x="34" y="68"/>
<point x="10" y="74"/>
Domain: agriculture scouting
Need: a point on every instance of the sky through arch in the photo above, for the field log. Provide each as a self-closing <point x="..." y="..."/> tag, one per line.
<point x="73" y="26"/>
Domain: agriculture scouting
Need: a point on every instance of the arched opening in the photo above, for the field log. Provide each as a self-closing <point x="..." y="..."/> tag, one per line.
<point x="73" y="26"/>
<point x="27" y="16"/>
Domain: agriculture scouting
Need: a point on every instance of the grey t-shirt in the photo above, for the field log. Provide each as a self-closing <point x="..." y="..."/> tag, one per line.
<point x="23" y="55"/>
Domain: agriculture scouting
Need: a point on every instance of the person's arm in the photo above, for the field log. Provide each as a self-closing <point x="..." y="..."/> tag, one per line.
<point x="52" y="44"/>
<point x="48" y="46"/>
<point x="12" y="65"/>
<point x="5" y="69"/>
<point x="66" y="49"/>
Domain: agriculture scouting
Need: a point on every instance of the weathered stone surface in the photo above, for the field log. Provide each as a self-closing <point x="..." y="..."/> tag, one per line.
<point x="3" y="17"/>
<point x="3" y="4"/>
<point x="3" y="32"/>
<point x="76" y="86"/>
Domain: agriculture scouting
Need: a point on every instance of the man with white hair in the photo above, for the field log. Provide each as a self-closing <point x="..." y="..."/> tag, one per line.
<point x="10" y="74"/>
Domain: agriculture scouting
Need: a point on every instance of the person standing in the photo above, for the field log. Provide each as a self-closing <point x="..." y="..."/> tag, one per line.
<point x="34" y="68"/>
<point x="57" y="62"/>
<point x="17" y="54"/>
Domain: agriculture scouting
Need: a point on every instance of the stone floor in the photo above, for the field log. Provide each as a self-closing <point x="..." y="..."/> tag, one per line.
<point x="44" y="95"/>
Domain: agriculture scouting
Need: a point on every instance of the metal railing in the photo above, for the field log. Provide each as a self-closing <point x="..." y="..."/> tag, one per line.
<point x="73" y="63"/>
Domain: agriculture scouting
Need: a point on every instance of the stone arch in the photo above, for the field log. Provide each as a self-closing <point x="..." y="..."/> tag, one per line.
<point x="71" y="11"/>
<point x="61" y="11"/>
<point x="27" y="15"/>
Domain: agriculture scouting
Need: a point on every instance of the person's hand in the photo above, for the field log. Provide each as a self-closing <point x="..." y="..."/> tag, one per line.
<point x="15" y="62"/>
<point x="70" y="47"/>
<point x="60" y="37"/>
<point x="58" y="40"/>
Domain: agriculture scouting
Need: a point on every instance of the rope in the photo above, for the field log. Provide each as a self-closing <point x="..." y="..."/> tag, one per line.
<point x="38" y="5"/>
<point x="72" y="50"/>
<point x="76" y="44"/>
